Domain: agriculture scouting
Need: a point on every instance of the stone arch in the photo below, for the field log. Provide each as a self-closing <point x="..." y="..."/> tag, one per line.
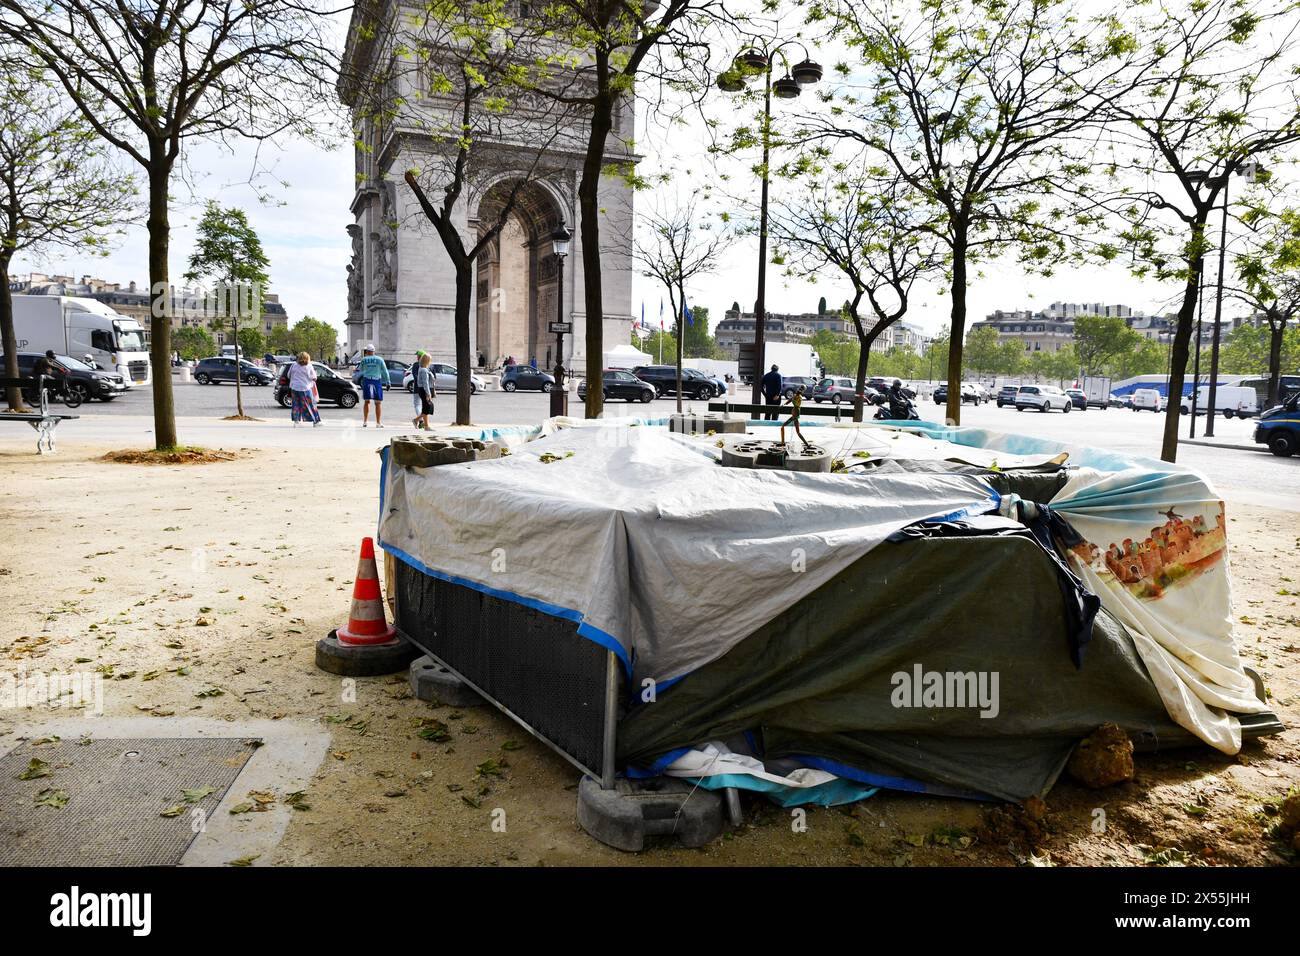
<point x="516" y="273"/>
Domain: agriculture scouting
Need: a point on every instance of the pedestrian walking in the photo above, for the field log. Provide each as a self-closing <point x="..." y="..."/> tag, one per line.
<point x="424" y="392"/>
<point x="415" y="395"/>
<point x="302" y="382"/>
<point x="374" y="373"/>
<point x="771" y="386"/>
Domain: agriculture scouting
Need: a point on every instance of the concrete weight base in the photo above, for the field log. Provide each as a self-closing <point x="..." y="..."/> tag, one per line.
<point x="661" y="806"/>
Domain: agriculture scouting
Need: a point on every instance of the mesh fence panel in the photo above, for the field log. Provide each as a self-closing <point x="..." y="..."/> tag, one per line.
<point x="533" y="664"/>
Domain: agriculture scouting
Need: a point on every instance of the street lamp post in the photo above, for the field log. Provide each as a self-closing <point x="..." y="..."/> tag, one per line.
<point x="1196" y="367"/>
<point x="748" y="64"/>
<point x="1250" y="170"/>
<point x="559" y="395"/>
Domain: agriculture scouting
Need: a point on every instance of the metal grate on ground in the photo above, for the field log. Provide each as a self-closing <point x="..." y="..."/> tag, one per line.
<point x="116" y="793"/>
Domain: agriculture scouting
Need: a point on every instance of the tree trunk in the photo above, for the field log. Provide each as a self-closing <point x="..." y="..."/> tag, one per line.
<point x="957" y="332"/>
<point x="8" y="339"/>
<point x="464" y="290"/>
<point x="1276" y="332"/>
<point x="160" y="323"/>
<point x="1180" y="350"/>
<point x="602" y="121"/>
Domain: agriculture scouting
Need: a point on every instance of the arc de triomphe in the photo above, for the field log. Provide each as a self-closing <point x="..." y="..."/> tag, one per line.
<point x="401" y="283"/>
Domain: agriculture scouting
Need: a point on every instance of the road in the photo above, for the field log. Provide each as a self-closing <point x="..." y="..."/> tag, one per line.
<point x="498" y="408"/>
<point x="1251" y="476"/>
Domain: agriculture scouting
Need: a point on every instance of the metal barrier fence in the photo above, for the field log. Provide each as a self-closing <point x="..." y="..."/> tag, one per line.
<point x="560" y="687"/>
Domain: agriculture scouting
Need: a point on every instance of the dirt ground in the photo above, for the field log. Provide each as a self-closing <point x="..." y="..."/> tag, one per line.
<point x="200" y="590"/>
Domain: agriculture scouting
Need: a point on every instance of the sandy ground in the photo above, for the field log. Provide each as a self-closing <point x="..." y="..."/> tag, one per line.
<point x="200" y="591"/>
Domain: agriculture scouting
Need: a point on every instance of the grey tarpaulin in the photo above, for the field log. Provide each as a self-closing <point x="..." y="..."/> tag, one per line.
<point x="653" y="548"/>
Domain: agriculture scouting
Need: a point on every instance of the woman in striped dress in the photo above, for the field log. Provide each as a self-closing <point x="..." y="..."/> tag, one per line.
<point x="302" y="382"/>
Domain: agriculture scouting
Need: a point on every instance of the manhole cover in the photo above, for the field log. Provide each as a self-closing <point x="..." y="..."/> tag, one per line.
<point x="116" y="792"/>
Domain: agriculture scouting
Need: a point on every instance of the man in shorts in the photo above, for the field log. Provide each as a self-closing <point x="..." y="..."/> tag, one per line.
<point x="374" y="376"/>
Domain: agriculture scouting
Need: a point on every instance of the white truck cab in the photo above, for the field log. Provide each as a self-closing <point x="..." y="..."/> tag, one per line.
<point x="78" y="327"/>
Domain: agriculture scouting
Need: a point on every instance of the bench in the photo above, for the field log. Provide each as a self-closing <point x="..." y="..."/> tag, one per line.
<point x="44" y="422"/>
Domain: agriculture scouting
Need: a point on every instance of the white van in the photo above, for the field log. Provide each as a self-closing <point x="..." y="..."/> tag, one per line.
<point x="1148" y="399"/>
<point x="1234" y="401"/>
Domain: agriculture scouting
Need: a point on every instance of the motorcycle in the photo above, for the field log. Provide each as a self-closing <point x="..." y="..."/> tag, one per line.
<point x="891" y="409"/>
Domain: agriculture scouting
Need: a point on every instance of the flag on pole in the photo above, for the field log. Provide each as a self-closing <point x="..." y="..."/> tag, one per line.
<point x="686" y="311"/>
<point x="661" y="313"/>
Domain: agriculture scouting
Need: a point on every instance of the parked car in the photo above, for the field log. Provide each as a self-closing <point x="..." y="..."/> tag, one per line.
<point x="396" y="374"/>
<point x="1147" y="399"/>
<point x="796" y="383"/>
<point x="663" y="379"/>
<point x="1078" y="398"/>
<point x="1279" y="427"/>
<point x="525" y="378"/>
<point x="87" y="382"/>
<point x="220" y="368"/>
<point x="444" y="379"/>
<point x="620" y="383"/>
<point x="1007" y="395"/>
<point x="969" y="393"/>
<point x="331" y="386"/>
<point x="717" y="381"/>
<point x="714" y="385"/>
<point x="834" y="389"/>
<point x="1042" y="397"/>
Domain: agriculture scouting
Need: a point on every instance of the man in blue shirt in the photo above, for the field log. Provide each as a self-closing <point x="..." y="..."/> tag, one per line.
<point x="374" y="372"/>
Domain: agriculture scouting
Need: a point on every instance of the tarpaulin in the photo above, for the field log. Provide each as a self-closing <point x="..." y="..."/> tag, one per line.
<point x="1155" y="549"/>
<point x="658" y="553"/>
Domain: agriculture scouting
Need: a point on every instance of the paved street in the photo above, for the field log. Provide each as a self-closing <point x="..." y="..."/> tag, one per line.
<point x="499" y="408"/>
<point x="1249" y="476"/>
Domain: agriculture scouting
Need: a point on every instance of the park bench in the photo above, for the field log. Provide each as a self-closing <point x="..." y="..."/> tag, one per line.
<point x="43" y="421"/>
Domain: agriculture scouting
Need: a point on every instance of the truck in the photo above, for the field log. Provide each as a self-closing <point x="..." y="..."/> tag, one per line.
<point x="77" y="327"/>
<point x="1097" y="390"/>
<point x="792" y="358"/>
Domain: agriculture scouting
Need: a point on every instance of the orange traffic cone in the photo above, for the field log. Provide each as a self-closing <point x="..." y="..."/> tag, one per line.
<point x="366" y="622"/>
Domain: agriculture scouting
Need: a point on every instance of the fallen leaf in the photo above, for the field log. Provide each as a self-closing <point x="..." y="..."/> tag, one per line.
<point x="36" y="767"/>
<point x="58" y="799"/>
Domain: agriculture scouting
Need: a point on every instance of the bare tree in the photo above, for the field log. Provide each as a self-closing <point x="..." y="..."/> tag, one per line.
<point x="868" y="227"/>
<point x="151" y="75"/>
<point x="679" y="242"/>
<point x="57" y="188"/>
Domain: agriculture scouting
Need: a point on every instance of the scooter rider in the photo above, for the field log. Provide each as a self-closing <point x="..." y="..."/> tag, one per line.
<point x="900" y="406"/>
